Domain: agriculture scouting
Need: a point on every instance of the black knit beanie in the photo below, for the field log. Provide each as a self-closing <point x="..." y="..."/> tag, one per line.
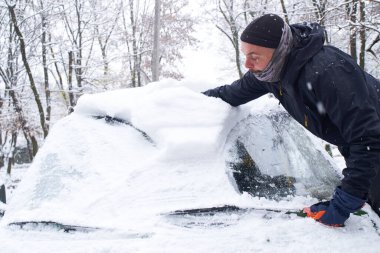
<point x="265" y="31"/>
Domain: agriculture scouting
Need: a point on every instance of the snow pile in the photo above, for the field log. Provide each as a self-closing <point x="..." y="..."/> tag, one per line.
<point x="183" y="123"/>
<point x="96" y="174"/>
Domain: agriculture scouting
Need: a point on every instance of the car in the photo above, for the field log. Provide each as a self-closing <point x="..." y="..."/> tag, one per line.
<point x="163" y="168"/>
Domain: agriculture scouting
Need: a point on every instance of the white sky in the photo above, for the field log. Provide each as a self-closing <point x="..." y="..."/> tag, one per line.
<point x="211" y="60"/>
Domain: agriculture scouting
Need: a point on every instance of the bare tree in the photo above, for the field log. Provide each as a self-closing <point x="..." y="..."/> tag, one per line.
<point x="176" y="33"/>
<point x="229" y="12"/>
<point x="320" y="11"/>
<point x="20" y="118"/>
<point x="104" y="26"/>
<point x="78" y="20"/>
<point x="11" y="9"/>
<point x="138" y="29"/>
<point x="135" y="25"/>
<point x="59" y="78"/>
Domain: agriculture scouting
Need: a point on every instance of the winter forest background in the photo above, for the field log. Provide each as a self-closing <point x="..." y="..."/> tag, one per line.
<point x="53" y="51"/>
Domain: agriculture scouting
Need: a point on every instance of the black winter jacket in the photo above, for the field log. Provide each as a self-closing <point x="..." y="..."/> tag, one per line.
<point x="329" y="94"/>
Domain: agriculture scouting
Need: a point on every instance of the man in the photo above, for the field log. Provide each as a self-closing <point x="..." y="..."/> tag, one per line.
<point x="324" y="90"/>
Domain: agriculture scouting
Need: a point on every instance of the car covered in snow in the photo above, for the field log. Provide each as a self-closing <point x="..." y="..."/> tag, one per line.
<point x="163" y="168"/>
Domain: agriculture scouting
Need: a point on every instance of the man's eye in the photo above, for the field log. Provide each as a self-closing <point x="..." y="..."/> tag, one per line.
<point x="255" y="59"/>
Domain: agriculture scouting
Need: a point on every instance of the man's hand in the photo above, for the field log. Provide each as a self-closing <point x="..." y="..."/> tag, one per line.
<point x="327" y="213"/>
<point x="336" y="211"/>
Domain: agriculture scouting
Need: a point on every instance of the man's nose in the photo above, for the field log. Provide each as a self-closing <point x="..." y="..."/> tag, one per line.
<point x="248" y="64"/>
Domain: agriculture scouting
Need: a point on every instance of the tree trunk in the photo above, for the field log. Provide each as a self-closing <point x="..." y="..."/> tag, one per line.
<point x="351" y="11"/>
<point x="130" y="61"/>
<point x="60" y="80"/>
<point x="103" y="49"/>
<point x="284" y="11"/>
<point x="362" y="35"/>
<point x="135" y="75"/>
<point x="1" y="134"/>
<point x="317" y="10"/>
<point x="156" y="42"/>
<point x="11" y="152"/>
<point x="105" y="61"/>
<point x="79" y="54"/>
<point x="31" y="143"/>
<point x="70" y="82"/>
<point x="45" y="69"/>
<point x="134" y="47"/>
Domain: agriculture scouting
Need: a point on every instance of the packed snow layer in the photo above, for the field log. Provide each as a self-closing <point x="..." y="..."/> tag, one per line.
<point x="167" y="151"/>
<point x="97" y="174"/>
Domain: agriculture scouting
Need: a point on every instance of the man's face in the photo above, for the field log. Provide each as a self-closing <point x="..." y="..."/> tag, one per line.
<point x="256" y="57"/>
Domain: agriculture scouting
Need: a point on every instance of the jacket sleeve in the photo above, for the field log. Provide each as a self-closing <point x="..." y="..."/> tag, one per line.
<point x="350" y="103"/>
<point x="239" y="92"/>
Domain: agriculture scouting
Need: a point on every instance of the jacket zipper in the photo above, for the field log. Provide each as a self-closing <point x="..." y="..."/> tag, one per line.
<point x="279" y="92"/>
<point x="306" y="121"/>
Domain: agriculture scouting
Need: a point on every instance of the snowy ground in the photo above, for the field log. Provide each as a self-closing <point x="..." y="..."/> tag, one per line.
<point x="250" y="233"/>
<point x="118" y="181"/>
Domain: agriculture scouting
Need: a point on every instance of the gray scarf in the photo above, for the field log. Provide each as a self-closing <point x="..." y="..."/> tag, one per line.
<point x="273" y="71"/>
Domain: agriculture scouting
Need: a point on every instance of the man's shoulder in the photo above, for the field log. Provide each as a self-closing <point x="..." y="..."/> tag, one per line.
<point x="328" y="60"/>
<point x="329" y="55"/>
